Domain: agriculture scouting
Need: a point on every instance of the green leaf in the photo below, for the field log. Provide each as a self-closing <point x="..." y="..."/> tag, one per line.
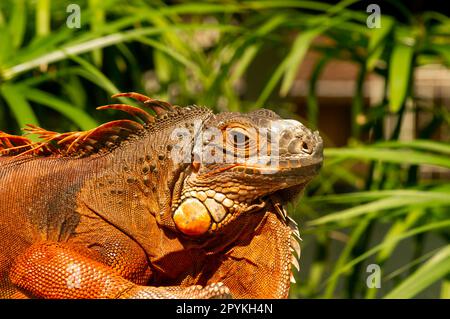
<point x="295" y="57"/>
<point x="20" y="108"/>
<point x="96" y="23"/>
<point x="400" y="66"/>
<point x="240" y="53"/>
<point x="403" y="269"/>
<point x="289" y="66"/>
<point x="170" y="52"/>
<point x="312" y="101"/>
<point x="387" y="242"/>
<point x="17" y="22"/>
<point x="426" y="145"/>
<point x="434" y="269"/>
<point x="101" y="42"/>
<point x="356" y="197"/>
<point x="381" y="205"/>
<point x="376" y="41"/>
<point x="252" y="49"/>
<point x="445" y="290"/>
<point x="388" y="155"/>
<point x="80" y="118"/>
<point x="162" y="66"/>
<point x="444" y="52"/>
<point x="75" y="92"/>
<point x="103" y="81"/>
<point x="43" y="17"/>
<point x="199" y="8"/>
<point x="355" y="236"/>
<point x="94" y="75"/>
<point x="6" y="49"/>
<point x="400" y="226"/>
<point x="41" y="46"/>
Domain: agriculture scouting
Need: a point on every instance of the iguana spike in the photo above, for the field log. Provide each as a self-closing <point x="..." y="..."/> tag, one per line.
<point x="42" y="133"/>
<point x="72" y="142"/>
<point x="133" y="95"/>
<point x="8" y="141"/>
<point x="141" y="114"/>
<point x="127" y="125"/>
<point x="294" y="263"/>
<point x="295" y="247"/>
<point x="22" y="145"/>
<point x="83" y="143"/>
<point x="10" y="144"/>
<point x="77" y="137"/>
<point x="160" y="104"/>
<point x="36" y="148"/>
<point x="68" y="137"/>
<point x="123" y="128"/>
<point x="159" y="107"/>
<point x="49" y="136"/>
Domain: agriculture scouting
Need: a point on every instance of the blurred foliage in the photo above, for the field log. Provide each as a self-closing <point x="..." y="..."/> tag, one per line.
<point x="205" y="53"/>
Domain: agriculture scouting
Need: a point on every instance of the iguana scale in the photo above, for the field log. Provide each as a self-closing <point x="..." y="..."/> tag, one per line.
<point x="180" y="204"/>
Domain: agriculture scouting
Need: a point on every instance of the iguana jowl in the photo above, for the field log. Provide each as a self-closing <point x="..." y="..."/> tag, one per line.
<point x="114" y="213"/>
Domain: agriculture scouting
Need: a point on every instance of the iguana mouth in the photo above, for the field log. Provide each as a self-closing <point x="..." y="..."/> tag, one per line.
<point x="213" y="210"/>
<point x="291" y="167"/>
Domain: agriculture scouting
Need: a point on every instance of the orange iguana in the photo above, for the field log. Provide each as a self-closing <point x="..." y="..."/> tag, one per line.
<point x="183" y="204"/>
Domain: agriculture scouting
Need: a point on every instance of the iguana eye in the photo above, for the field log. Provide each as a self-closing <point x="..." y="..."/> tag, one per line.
<point x="238" y="138"/>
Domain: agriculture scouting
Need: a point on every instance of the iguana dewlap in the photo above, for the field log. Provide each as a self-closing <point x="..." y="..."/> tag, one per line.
<point x="184" y="204"/>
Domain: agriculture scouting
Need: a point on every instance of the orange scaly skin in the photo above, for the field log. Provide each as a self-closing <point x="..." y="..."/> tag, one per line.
<point x="91" y="214"/>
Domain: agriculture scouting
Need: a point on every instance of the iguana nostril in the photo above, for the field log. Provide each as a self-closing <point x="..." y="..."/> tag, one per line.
<point x="298" y="146"/>
<point x="306" y="148"/>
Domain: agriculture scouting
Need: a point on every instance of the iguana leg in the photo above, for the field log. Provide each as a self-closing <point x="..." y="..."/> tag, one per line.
<point x="54" y="270"/>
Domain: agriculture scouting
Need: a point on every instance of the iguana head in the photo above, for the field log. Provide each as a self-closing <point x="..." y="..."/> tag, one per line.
<point x="239" y="163"/>
<point x="228" y="203"/>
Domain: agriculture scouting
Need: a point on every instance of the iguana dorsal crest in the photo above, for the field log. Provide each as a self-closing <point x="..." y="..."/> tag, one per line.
<point x="103" y="138"/>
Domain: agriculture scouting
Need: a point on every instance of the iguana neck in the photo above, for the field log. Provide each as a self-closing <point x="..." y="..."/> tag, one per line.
<point x="150" y="165"/>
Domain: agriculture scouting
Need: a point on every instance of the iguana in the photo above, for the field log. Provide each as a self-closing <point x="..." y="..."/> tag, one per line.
<point x="183" y="203"/>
